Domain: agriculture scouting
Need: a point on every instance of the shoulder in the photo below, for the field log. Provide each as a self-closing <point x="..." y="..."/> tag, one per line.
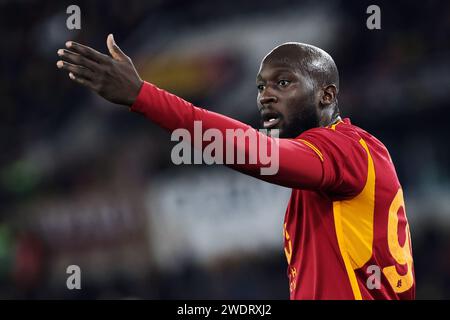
<point x="340" y="137"/>
<point x="344" y="155"/>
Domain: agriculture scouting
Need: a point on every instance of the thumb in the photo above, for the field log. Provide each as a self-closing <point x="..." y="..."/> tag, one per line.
<point x="114" y="49"/>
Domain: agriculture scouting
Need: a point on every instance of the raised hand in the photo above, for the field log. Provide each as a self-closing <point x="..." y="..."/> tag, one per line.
<point x="113" y="77"/>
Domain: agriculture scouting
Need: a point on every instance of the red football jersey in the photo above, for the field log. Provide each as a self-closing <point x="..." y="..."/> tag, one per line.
<point x="350" y="238"/>
<point x="346" y="232"/>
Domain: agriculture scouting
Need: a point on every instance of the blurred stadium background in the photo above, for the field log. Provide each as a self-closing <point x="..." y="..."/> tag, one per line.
<point x="84" y="182"/>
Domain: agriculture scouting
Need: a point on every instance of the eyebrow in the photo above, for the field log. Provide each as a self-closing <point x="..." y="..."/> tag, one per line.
<point x="276" y="71"/>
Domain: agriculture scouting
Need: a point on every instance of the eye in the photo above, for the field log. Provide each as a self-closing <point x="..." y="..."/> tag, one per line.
<point x="284" y="83"/>
<point x="260" y="87"/>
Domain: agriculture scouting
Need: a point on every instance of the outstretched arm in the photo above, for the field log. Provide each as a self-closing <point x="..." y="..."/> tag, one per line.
<point x="116" y="79"/>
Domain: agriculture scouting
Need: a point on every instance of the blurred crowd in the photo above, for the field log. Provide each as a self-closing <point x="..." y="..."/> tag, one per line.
<point x="79" y="177"/>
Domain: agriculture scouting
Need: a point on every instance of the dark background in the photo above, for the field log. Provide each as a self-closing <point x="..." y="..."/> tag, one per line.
<point x="88" y="183"/>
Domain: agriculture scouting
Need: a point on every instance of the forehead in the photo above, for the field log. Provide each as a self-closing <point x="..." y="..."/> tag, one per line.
<point x="270" y="68"/>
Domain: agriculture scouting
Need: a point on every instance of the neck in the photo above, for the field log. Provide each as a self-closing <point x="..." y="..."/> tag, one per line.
<point x="336" y="119"/>
<point x="329" y="117"/>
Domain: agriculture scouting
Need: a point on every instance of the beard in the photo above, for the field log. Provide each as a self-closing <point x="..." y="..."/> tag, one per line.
<point x="306" y="118"/>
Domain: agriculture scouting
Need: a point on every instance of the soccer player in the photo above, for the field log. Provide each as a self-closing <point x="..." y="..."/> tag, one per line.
<point x="346" y="234"/>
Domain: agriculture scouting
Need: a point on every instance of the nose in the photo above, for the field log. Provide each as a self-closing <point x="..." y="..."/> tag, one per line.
<point x="267" y="97"/>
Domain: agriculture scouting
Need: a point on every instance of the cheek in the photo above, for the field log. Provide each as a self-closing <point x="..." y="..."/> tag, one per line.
<point x="299" y="93"/>
<point x="300" y="107"/>
<point x="296" y="101"/>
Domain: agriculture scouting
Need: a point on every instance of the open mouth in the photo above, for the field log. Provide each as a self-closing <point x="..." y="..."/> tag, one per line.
<point x="270" y="119"/>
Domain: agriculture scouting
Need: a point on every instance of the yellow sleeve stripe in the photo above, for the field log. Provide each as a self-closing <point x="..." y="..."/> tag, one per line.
<point x="313" y="147"/>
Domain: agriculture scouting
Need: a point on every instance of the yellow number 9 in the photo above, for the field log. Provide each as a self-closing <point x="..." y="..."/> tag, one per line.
<point x="401" y="254"/>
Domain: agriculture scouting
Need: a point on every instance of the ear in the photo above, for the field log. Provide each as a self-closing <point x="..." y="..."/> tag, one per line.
<point x="329" y="94"/>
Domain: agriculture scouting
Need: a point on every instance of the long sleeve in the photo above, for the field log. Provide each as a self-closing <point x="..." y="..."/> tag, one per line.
<point x="299" y="165"/>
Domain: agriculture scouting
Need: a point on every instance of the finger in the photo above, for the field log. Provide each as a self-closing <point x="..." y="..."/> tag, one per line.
<point x="85" y="82"/>
<point x="114" y="49"/>
<point x="87" y="52"/>
<point x="77" y="59"/>
<point x="76" y="70"/>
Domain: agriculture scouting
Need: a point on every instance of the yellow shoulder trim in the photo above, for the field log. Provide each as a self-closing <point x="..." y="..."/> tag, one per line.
<point x="333" y="127"/>
<point x="313" y="147"/>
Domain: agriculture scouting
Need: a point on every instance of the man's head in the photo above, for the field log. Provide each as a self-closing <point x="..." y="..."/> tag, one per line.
<point x="297" y="89"/>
